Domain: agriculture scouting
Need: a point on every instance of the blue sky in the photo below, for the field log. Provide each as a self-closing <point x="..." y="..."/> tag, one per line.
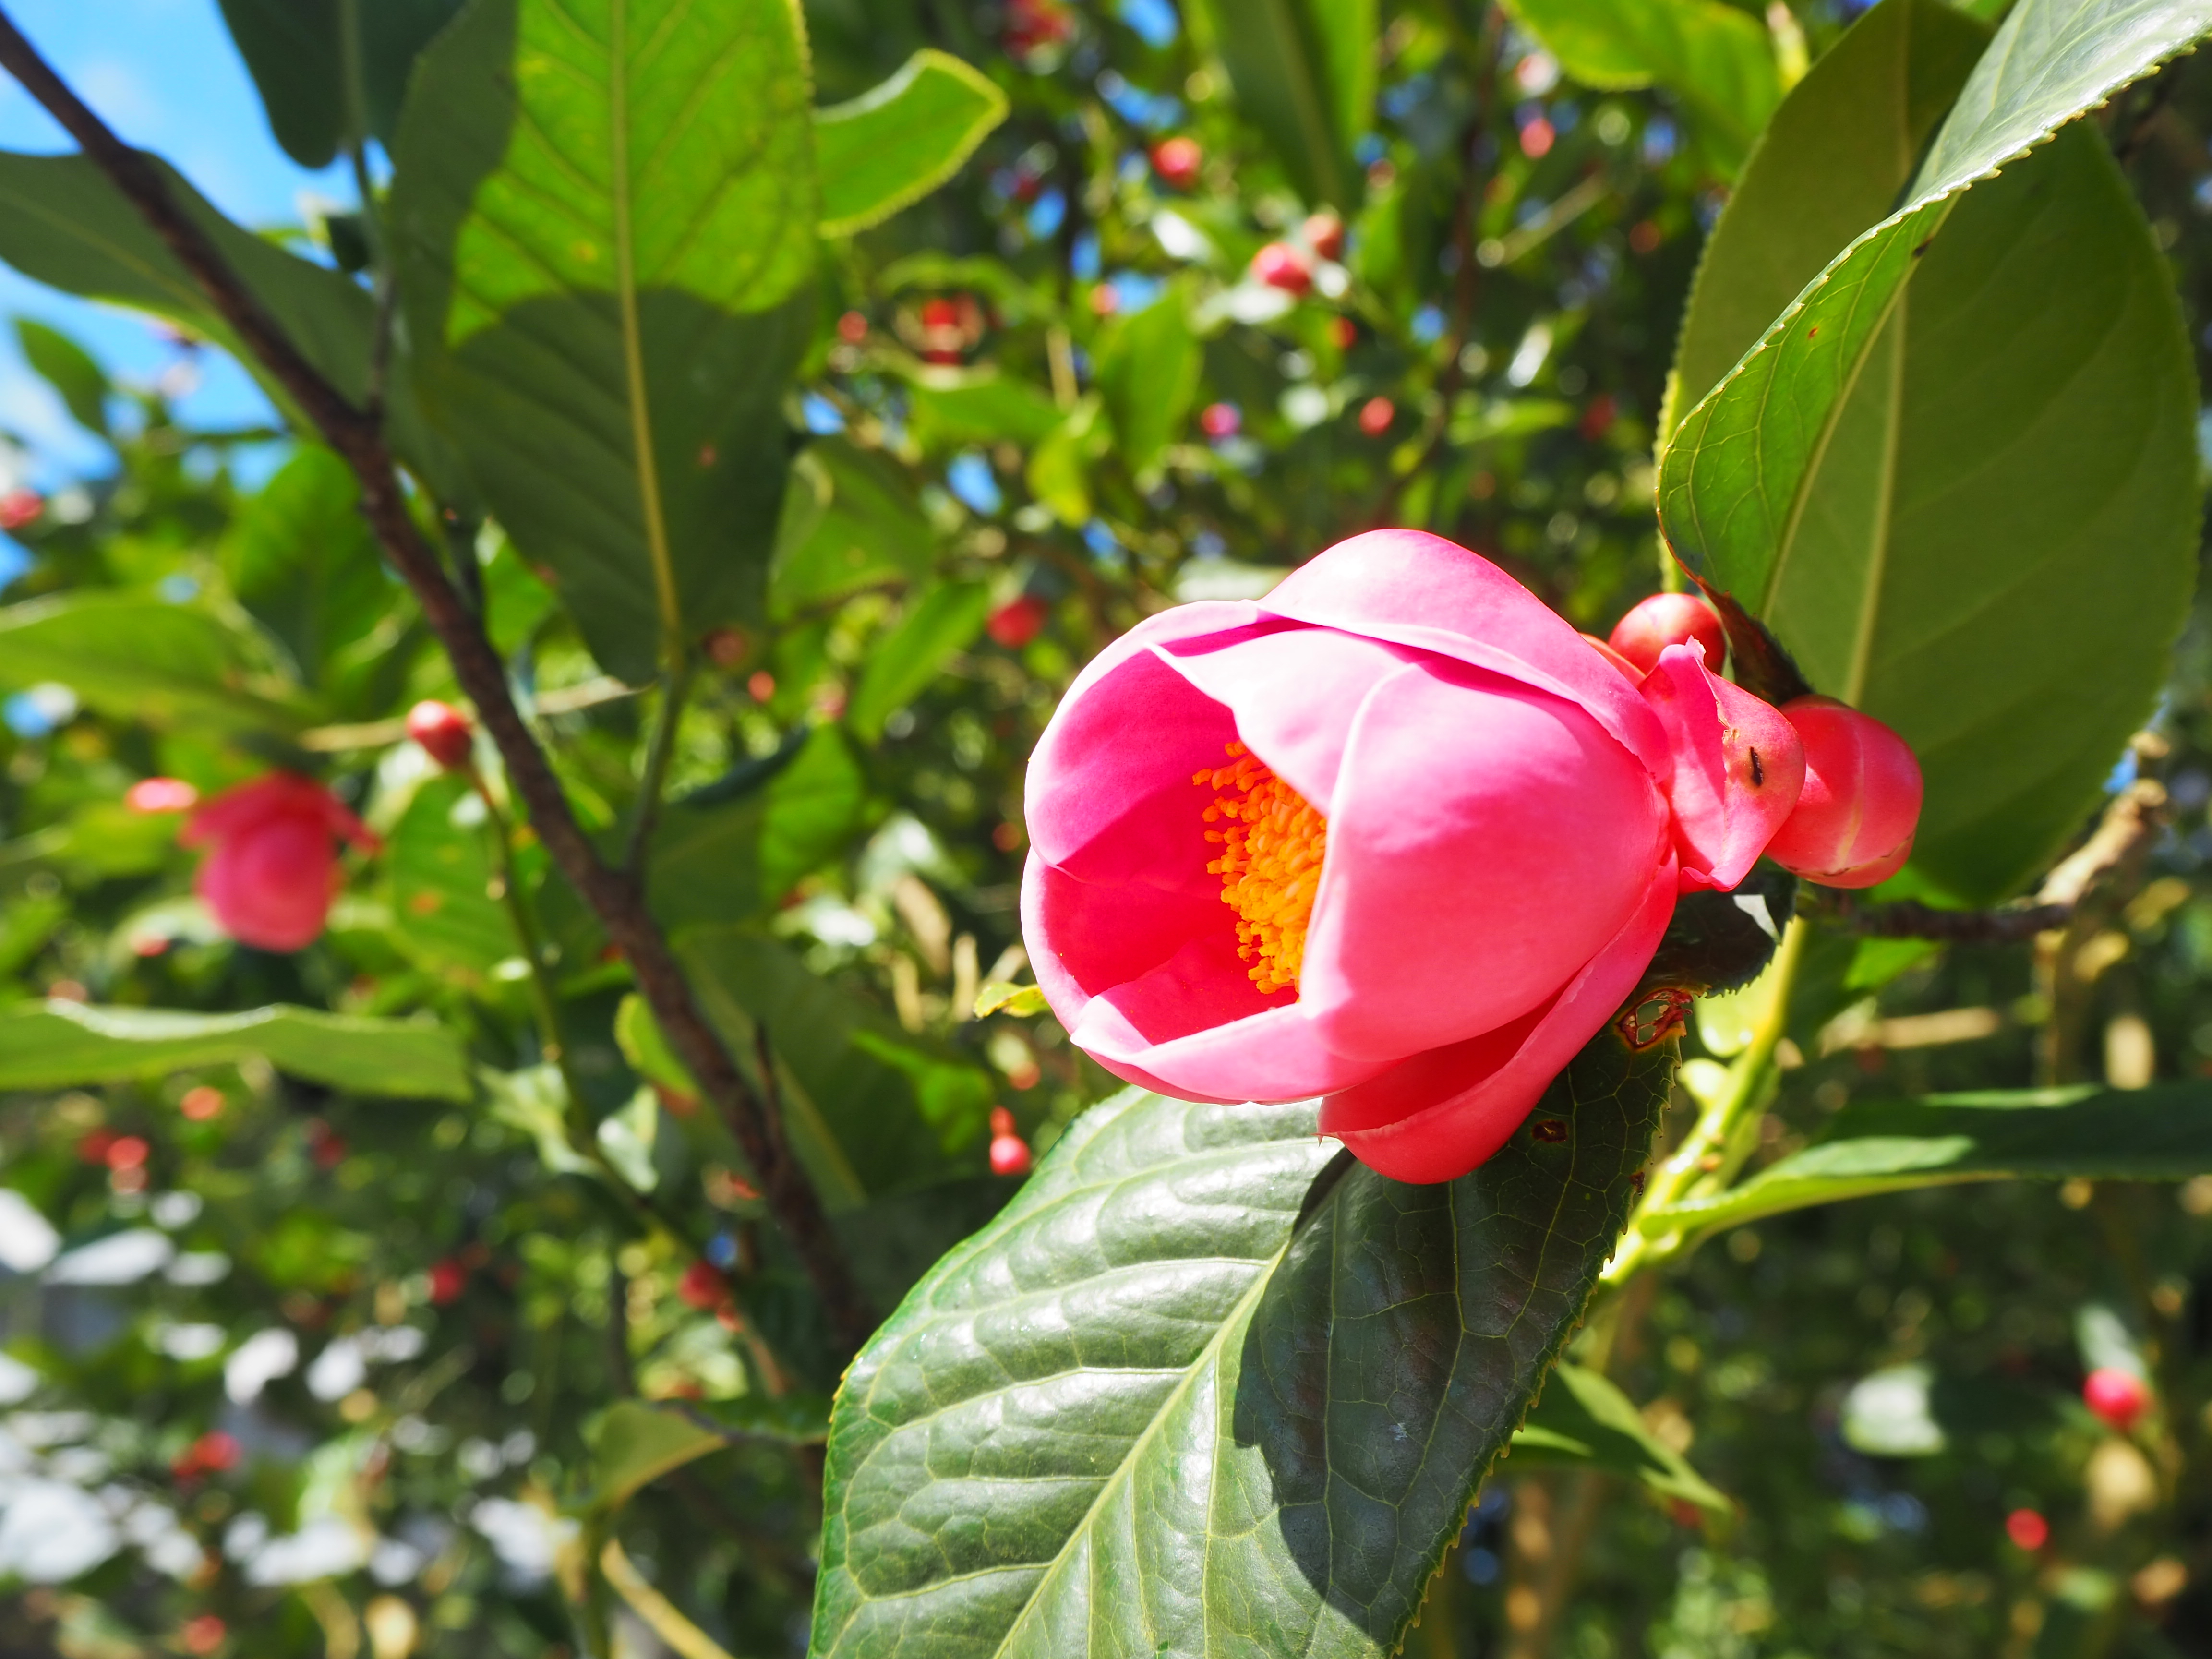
<point x="164" y="74"/>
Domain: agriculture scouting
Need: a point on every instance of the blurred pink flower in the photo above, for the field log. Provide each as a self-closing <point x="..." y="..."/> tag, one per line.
<point x="273" y="868"/>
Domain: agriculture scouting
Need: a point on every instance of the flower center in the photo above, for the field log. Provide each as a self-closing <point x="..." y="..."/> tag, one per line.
<point x="1272" y="842"/>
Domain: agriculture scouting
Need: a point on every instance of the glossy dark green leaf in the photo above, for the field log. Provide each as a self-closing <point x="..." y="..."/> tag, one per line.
<point x="850" y="521"/>
<point x="439" y="858"/>
<point x="300" y="557"/>
<point x="1304" y="73"/>
<point x="872" y="1109"/>
<point x="605" y="213"/>
<point x="1975" y="496"/>
<point x="298" y="55"/>
<point x="55" y="1045"/>
<point x="148" y="660"/>
<point x="1182" y="1396"/>
<point x="946" y="619"/>
<point x="68" y="367"/>
<point x="1715" y="59"/>
<point x="896" y="143"/>
<point x="1583" y="1421"/>
<point x="2159" y="1133"/>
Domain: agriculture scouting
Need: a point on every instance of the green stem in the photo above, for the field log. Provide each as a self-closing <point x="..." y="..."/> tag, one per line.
<point x="675" y="692"/>
<point x="1715" y="1147"/>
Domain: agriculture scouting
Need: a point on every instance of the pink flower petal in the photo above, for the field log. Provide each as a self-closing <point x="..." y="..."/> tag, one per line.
<point x="1086" y="938"/>
<point x="271" y="886"/>
<point x="1484" y="840"/>
<point x="1738" y="767"/>
<point x="1437" y="1116"/>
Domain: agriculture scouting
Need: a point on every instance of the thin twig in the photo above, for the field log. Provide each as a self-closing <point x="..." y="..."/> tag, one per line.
<point x="613" y="898"/>
<point x="1907" y="919"/>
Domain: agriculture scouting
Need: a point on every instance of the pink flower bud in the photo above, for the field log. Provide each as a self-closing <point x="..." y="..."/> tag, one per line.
<point x="1010" y="1155"/>
<point x="273" y="868"/>
<point x="1376" y="416"/>
<point x="1219" y="421"/>
<point x="1324" y="233"/>
<point x="702" y="1287"/>
<point x="1394" y="835"/>
<point x="1177" y="161"/>
<point x="161" y="795"/>
<point x="1665" y="619"/>
<point x="1280" y="265"/>
<point x="1854" y="820"/>
<point x="1016" y="622"/>
<point x="20" y="508"/>
<point x="2118" y="1398"/>
<point x="2027" y="1529"/>
<point x="443" y="731"/>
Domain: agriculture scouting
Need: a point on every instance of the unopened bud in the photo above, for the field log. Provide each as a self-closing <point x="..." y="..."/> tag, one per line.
<point x="1854" y="819"/>
<point x="1280" y="265"/>
<point x="444" y="733"/>
<point x="1177" y="161"/>
<point x="2118" y="1398"/>
<point x="1010" y="1155"/>
<point x="1665" y="619"/>
<point x="1324" y="233"/>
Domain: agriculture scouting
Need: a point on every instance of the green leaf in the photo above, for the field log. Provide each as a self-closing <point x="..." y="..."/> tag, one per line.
<point x="2159" y="1133"/>
<point x="954" y="406"/>
<point x="1976" y="494"/>
<point x="55" y="1045"/>
<point x="1584" y="1421"/>
<point x="633" y="1444"/>
<point x="439" y="858"/>
<point x="1183" y="1396"/>
<point x="147" y="660"/>
<point x="300" y="557"/>
<point x="296" y="50"/>
<point x="638" y="1035"/>
<point x="850" y="521"/>
<point x="872" y="1110"/>
<point x="718" y="861"/>
<point x="1148" y="368"/>
<point x="894" y="144"/>
<point x="604" y="215"/>
<point x="1716" y="60"/>
<point x="1304" y="74"/>
<point x="945" y="620"/>
<point x="1000" y="996"/>
<point x="68" y="367"/>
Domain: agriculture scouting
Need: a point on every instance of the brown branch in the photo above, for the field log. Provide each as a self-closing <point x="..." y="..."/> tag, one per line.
<point x="1907" y="919"/>
<point x="617" y="901"/>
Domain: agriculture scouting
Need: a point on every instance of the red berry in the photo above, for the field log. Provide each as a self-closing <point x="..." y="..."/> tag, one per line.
<point x="444" y="733"/>
<point x="1219" y="421"/>
<point x="702" y="1287"/>
<point x="1016" y="622"/>
<point x="2027" y="1529"/>
<point x="852" y="328"/>
<point x="92" y="1147"/>
<point x="204" y="1634"/>
<point x="1177" y="161"/>
<point x="1376" y="416"/>
<point x="1665" y="619"/>
<point x="19" y="507"/>
<point x="1537" y="138"/>
<point x="1324" y="233"/>
<point x="449" y="1279"/>
<point x="127" y="1152"/>
<point x="1002" y="1121"/>
<point x="215" y="1451"/>
<point x="1854" y="822"/>
<point x="201" y="1104"/>
<point x="2118" y="1398"/>
<point x="1010" y="1155"/>
<point x="1280" y="265"/>
<point x="161" y="795"/>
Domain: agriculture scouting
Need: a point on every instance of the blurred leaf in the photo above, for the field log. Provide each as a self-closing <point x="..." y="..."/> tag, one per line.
<point x="999" y="997"/>
<point x="850" y="521"/>
<point x="638" y="1037"/>
<point x="61" y="1044"/>
<point x="1148" y="367"/>
<point x="2159" y="1133"/>
<point x="636" y="1443"/>
<point x="2003" y="514"/>
<point x="724" y="860"/>
<point x="604" y="254"/>
<point x="1270" y="1396"/>
<point x="68" y="367"/>
<point x="955" y="406"/>
<point x="296" y="53"/>
<point x="1584" y="1420"/>
<point x="1304" y="73"/>
<point x="627" y="1136"/>
<point x="146" y="660"/>
<point x="900" y="667"/>
<point x="439" y="861"/>
<point x="1716" y="60"/>
<point x="1059" y="467"/>
<point x="534" y="1100"/>
<point x="859" y="1091"/>
<point x="300" y="557"/>
<point x="893" y="145"/>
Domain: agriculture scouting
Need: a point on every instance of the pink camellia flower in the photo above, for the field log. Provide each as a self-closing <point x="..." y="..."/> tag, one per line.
<point x="274" y="868"/>
<point x="1395" y="836"/>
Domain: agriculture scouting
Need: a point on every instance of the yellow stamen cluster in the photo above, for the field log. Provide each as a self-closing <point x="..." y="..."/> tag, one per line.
<point x="1271" y="844"/>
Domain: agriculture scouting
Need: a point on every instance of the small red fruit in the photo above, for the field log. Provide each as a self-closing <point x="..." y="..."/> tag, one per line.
<point x="2027" y="1529"/>
<point x="1010" y="1155"/>
<point x="449" y="1279"/>
<point x="1854" y="824"/>
<point x="702" y="1287"/>
<point x="1537" y="138"/>
<point x="1177" y="161"/>
<point x="1376" y="416"/>
<point x="161" y="795"/>
<point x="1665" y="619"/>
<point x="201" y="1104"/>
<point x="852" y="328"/>
<point x="94" y="1146"/>
<point x="19" y="507"/>
<point x="2118" y="1398"/>
<point x="1280" y="265"/>
<point x="1344" y="332"/>
<point x="127" y="1152"/>
<point x="204" y="1634"/>
<point x="1219" y="421"/>
<point x="1324" y="233"/>
<point x="1017" y="621"/>
<point x="444" y="733"/>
